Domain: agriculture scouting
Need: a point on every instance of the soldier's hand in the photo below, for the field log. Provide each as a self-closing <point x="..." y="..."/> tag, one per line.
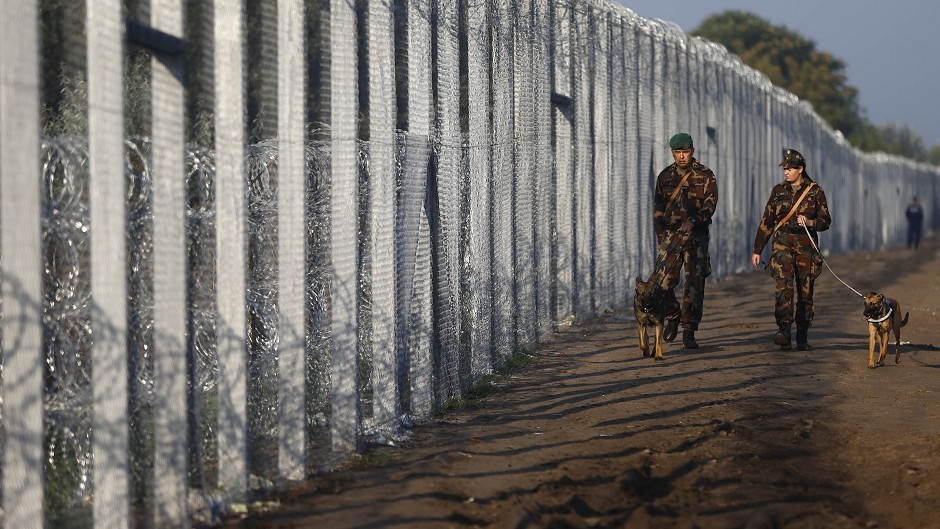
<point x="755" y="260"/>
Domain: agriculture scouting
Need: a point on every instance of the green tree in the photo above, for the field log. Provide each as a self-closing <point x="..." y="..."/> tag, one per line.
<point x="791" y="61"/>
<point x="933" y="155"/>
<point x="902" y="141"/>
<point x="867" y="137"/>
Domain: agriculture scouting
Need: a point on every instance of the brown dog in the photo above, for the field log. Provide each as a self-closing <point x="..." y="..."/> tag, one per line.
<point x="884" y="316"/>
<point x="650" y="308"/>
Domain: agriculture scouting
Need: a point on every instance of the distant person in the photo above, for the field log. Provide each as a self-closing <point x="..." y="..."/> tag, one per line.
<point x="915" y="223"/>
<point x="796" y="210"/>
<point x="685" y="199"/>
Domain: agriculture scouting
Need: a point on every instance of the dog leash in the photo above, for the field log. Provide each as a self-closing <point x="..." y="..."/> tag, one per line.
<point x="827" y="264"/>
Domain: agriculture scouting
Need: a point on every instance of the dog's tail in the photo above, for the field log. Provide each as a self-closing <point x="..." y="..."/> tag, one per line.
<point x="904" y="321"/>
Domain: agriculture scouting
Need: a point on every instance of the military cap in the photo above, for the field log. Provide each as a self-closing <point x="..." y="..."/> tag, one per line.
<point x="792" y="158"/>
<point x="680" y="141"/>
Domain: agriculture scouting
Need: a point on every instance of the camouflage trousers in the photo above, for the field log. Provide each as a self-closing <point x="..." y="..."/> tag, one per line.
<point x="678" y="251"/>
<point x="795" y="265"/>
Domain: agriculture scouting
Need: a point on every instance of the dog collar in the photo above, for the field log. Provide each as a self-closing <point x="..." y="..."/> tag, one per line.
<point x="883" y="318"/>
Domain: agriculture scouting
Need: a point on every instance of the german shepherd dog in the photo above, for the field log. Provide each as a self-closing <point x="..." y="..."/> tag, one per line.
<point x="650" y="309"/>
<point x="884" y="317"/>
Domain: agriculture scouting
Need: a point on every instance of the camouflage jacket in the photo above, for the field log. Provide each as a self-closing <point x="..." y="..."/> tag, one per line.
<point x="782" y="197"/>
<point x="697" y="199"/>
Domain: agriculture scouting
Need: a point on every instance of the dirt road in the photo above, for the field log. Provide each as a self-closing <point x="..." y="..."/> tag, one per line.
<point x="735" y="434"/>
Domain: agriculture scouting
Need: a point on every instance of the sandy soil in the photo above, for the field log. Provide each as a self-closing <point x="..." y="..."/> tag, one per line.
<point x="735" y="434"/>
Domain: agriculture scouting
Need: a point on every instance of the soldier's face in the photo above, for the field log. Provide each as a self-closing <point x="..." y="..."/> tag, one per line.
<point x="793" y="174"/>
<point x="683" y="157"/>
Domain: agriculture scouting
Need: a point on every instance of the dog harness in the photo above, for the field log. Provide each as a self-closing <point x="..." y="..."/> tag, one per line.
<point x="886" y="316"/>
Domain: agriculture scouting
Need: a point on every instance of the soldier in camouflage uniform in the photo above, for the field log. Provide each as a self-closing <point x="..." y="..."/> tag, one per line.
<point x="681" y="227"/>
<point x="793" y="258"/>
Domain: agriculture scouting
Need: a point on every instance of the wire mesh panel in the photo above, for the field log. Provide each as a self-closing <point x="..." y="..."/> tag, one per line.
<point x="413" y="298"/>
<point x="600" y="119"/>
<point x="759" y="170"/>
<point x="762" y="148"/>
<point x="481" y="184"/>
<point x="544" y="188"/>
<point x="318" y="169"/>
<point x="661" y="104"/>
<point x="698" y="112"/>
<point x="620" y="265"/>
<point x="633" y="173"/>
<point x="292" y="234"/>
<point x="863" y="200"/>
<point x="718" y="135"/>
<point x="344" y="200"/>
<point x="447" y="237"/>
<point x="812" y="140"/>
<point x="873" y="225"/>
<point x="20" y="248"/>
<point x="382" y="210"/>
<point x="261" y="162"/>
<point x="842" y="234"/>
<point x="231" y="213"/>
<point x="563" y="149"/>
<point x="523" y="176"/>
<point x="503" y="171"/>
<point x="584" y="167"/>
<point x="685" y="115"/>
<point x="841" y="202"/>
<point x="106" y="165"/>
<point x="771" y="125"/>
<point x="413" y="213"/>
<point x="170" y="389"/>
<point x="646" y="143"/>
<point x="853" y="192"/>
<point x="420" y="380"/>
<point x="739" y="188"/>
<point x="68" y="412"/>
<point x="269" y="309"/>
<point x="756" y="142"/>
<point x="675" y="79"/>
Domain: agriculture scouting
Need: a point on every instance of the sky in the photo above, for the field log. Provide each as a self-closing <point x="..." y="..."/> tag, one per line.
<point x="891" y="48"/>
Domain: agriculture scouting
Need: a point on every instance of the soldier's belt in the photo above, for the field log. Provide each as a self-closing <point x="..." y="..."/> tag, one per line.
<point x="798" y="230"/>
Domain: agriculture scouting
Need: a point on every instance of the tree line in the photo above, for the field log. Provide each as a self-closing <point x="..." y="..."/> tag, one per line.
<point x="792" y="61"/>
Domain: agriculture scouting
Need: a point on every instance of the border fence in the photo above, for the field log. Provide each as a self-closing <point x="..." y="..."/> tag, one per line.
<point x="240" y="239"/>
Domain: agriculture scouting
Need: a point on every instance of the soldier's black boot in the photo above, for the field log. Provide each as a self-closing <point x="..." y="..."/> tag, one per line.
<point x="782" y="338"/>
<point x="671" y="328"/>
<point x="688" y="339"/>
<point x="802" y="330"/>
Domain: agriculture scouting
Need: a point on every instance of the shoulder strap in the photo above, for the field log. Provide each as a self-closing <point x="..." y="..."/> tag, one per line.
<point x="795" y="205"/>
<point x="675" y="191"/>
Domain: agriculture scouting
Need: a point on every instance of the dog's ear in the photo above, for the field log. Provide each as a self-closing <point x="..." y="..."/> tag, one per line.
<point x="881" y="298"/>
<point x="639" y="281"/>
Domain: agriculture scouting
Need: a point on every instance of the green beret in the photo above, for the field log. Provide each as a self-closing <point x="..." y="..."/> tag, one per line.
<point x="680" y="141"/>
